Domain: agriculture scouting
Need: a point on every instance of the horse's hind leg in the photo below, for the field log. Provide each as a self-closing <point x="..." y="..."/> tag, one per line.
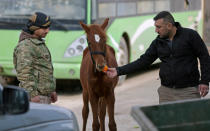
<point x="110" y="104"/>
<point x="102" y="113"/>
<point x="85" y="109"/>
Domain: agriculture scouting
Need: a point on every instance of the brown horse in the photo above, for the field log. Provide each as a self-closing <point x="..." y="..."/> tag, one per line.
<point x="97" y="87"/>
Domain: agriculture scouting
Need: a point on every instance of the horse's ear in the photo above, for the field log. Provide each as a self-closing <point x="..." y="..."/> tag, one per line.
<point x="103" y="26"/>
<point x="84" y="26"/>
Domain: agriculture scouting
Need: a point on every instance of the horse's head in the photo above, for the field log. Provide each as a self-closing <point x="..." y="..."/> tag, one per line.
<point x="96" y="38"/>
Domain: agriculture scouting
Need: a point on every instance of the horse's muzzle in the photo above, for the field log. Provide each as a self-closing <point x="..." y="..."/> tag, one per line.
<point x="100" y="67"/>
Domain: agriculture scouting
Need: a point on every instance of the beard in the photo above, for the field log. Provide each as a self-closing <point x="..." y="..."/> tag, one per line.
<point x="164" y="36"/>
<point x="43" y="35"/>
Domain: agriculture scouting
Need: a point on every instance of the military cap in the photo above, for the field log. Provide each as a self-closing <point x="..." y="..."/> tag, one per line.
<point x="38" y="20"/>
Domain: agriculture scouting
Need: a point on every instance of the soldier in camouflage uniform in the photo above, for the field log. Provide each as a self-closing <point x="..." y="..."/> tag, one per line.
<point x="32" y="60"/>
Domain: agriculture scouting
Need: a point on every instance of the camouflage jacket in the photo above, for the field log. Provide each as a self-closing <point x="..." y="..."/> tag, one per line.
<point x="32" y="61"/>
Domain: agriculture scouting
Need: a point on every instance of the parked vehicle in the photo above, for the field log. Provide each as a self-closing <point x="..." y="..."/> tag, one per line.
<point x="16" y="113"/>
<point x="130" y="30"/>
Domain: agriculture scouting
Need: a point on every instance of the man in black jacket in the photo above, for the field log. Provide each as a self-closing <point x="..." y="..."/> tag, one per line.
<point x="178" y="49"/>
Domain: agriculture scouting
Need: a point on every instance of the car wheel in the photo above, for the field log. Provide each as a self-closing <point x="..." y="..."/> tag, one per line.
<point x="122" y="58"/>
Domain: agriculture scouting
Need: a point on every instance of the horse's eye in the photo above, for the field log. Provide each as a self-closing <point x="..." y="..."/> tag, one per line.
<point x="97" y="38"/>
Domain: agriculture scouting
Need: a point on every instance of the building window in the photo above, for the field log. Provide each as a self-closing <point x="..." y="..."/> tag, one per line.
<point x="107" y="10"/>
<point x="161" y="5"/>
<point x="145" y="7"/>
<point x="126" y="8"/>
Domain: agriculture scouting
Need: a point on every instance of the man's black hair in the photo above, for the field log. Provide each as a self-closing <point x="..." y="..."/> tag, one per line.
<point x="166" y="16"/>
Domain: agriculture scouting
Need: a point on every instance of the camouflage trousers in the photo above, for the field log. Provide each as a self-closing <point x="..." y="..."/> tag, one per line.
<point x="45" y="99"/>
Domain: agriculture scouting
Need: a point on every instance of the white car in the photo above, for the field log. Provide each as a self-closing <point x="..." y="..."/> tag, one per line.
<point x="17" y="114"/>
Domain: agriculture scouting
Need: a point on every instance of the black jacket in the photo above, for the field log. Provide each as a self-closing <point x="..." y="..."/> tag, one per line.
<point x="179" y="64"/>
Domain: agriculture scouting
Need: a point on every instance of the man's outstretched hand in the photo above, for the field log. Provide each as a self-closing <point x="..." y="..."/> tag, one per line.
<point x="111" y="72"/>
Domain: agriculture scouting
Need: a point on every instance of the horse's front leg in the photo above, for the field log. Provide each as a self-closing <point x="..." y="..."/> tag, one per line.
<point x="102" y="113"/>
<point x="94" y="105"/>
<point x="110" y="105"/>
<point x="85" y="109"/>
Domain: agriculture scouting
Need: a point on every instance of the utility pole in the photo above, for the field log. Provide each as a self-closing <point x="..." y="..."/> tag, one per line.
<point x="206" y="22"/>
